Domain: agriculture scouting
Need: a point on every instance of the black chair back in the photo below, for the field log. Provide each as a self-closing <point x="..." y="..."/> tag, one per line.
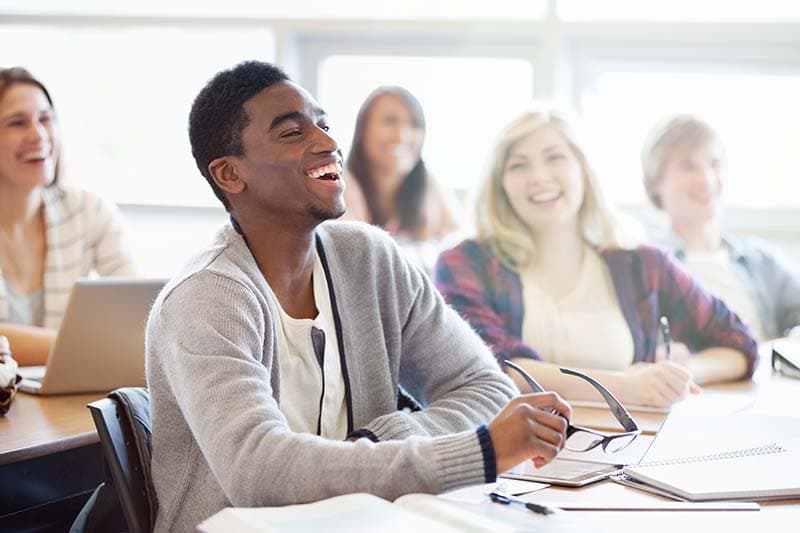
<point x="123" y="424"/>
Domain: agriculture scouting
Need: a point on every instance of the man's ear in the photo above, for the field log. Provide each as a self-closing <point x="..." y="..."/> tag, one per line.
<point x="226" y="174"/>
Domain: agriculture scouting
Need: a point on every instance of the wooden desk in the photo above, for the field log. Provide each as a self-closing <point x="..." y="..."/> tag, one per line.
<point x="773" y="395"/>
<point x="50" y="461"/>
<point x="603" y="419"/>
<point x="41" y="425"/>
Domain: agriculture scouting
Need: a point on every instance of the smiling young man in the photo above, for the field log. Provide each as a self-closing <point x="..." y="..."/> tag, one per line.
<point x="684" y="170"/>
<point x="275" y="358"/>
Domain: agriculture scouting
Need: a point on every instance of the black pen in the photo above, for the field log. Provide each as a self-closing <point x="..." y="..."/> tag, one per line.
<point x="508" y="500"/>
<point x="667" y="336"/>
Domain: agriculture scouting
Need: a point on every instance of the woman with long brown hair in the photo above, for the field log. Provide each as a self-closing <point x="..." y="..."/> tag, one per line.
<point x="387" y="182"/>
<point x="50" y="234"/>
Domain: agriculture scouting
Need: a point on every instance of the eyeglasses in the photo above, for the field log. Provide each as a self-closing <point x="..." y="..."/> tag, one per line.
<point x="583" y="439"/>
<point x="781" y="363"/>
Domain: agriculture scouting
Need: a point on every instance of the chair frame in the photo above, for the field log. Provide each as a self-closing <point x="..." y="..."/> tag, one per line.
<point x="123" y="463"/>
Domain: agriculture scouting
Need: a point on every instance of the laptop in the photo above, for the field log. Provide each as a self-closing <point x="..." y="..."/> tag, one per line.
<point x="100" y="344"/>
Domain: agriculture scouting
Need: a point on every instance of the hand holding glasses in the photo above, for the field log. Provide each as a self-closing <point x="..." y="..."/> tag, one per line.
<point x="583" y="439"/>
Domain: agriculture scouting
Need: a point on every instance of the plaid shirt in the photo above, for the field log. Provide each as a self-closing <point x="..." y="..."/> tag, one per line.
<point x="649" y="284"/>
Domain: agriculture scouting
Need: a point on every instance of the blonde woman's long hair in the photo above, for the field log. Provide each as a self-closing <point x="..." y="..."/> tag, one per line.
<point x="503" y="231"/>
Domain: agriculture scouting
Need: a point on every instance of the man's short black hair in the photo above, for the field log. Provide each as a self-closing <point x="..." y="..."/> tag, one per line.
<point x="218" y="116"/>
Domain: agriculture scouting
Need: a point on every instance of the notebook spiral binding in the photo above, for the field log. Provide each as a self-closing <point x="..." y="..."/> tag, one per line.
<point x="760" y="450"/>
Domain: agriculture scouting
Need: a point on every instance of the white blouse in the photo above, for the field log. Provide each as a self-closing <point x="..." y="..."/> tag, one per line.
<point x="583" y="329"/>
<point x="84" y="235"/>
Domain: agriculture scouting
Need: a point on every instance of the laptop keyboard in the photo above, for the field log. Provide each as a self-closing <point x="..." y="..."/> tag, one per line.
<point x="33" y="373"/>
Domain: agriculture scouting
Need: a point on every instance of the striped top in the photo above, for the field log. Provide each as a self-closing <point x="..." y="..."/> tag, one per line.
<point x="84" y="235"/>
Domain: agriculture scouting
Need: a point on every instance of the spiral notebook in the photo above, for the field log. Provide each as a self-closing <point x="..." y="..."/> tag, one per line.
<point x="731" y="457"/>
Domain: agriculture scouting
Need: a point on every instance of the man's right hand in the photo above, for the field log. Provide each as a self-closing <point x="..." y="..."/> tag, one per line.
<point x="526" y="429"/>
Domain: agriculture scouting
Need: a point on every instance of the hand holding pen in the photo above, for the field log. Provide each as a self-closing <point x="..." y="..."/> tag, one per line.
<point x="666" y="337"/>
<point x="668" y="350"/>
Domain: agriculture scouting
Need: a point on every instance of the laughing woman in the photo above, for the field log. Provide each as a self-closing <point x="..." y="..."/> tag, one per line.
<point x="551" y="282"/>
<point x="388" y="183"/>
<point x="50" y="235"/>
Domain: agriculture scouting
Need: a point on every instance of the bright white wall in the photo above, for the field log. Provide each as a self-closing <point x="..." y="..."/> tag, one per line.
<point x="572" y="46"/>
<point x="163" y="238"/>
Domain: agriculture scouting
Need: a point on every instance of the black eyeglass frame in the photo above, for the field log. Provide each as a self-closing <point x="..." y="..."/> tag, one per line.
<point x="620" y="413"/>
<point x="784" y="366"/>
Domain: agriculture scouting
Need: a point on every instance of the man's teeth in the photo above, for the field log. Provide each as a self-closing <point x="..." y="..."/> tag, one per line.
<point x="545" y="196"/>
<point x="34" y="157"/>
<point x="333" y="168"/>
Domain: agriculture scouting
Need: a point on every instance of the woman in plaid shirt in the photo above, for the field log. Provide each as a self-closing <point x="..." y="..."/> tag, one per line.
<point x="552" y="281"/>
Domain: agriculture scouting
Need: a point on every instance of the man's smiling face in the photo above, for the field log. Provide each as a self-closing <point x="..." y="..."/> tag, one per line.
<point x="291" y="167"/>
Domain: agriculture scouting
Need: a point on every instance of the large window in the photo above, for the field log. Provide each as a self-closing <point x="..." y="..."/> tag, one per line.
<point x="753" y="109"/>
<point x="123" y="96"/>
<point x="466" y="101"/>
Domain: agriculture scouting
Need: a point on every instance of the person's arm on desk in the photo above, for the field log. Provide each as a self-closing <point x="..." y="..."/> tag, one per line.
<point x="461" y="276"/>
<point x="710" y="365"/>
<point x="30" y="345"/>
<point x="721" y="346"/>
<point x="717" y="365"/>
<point x="658" y="385"/>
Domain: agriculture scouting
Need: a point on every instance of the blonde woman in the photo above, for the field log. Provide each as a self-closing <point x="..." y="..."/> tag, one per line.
<point x="550" y="282"/>
<point x="683" y="164"/>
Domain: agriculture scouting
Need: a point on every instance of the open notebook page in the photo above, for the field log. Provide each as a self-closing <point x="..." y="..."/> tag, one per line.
<point x="741" y="456"/>
<point x="414" y="513"/>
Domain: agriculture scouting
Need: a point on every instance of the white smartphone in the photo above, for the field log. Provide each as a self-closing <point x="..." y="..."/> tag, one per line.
<point x="564" y="472"/>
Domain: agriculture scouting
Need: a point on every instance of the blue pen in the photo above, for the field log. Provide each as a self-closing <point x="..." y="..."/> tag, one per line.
<point x="666" y="335"/>
<point x="508" y="500"/>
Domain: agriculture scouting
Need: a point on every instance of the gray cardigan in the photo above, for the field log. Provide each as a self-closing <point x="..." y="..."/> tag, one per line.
<point x="219" y="438"/>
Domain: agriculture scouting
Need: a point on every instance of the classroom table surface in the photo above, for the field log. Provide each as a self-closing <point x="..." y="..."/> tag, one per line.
<point x="36" y="426"/>
<point x="768" y="393"/>
<point x="776" y="516"/>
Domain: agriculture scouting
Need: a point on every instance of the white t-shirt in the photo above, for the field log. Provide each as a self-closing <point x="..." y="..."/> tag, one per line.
<point x="585" y="328"/>
<point x="714" y="270"/>
<point x="303" y="380"/>
<point x="25" y="308"/>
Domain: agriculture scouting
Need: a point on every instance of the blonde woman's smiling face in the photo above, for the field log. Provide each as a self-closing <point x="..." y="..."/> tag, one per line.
<point x="544" y="180"/>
